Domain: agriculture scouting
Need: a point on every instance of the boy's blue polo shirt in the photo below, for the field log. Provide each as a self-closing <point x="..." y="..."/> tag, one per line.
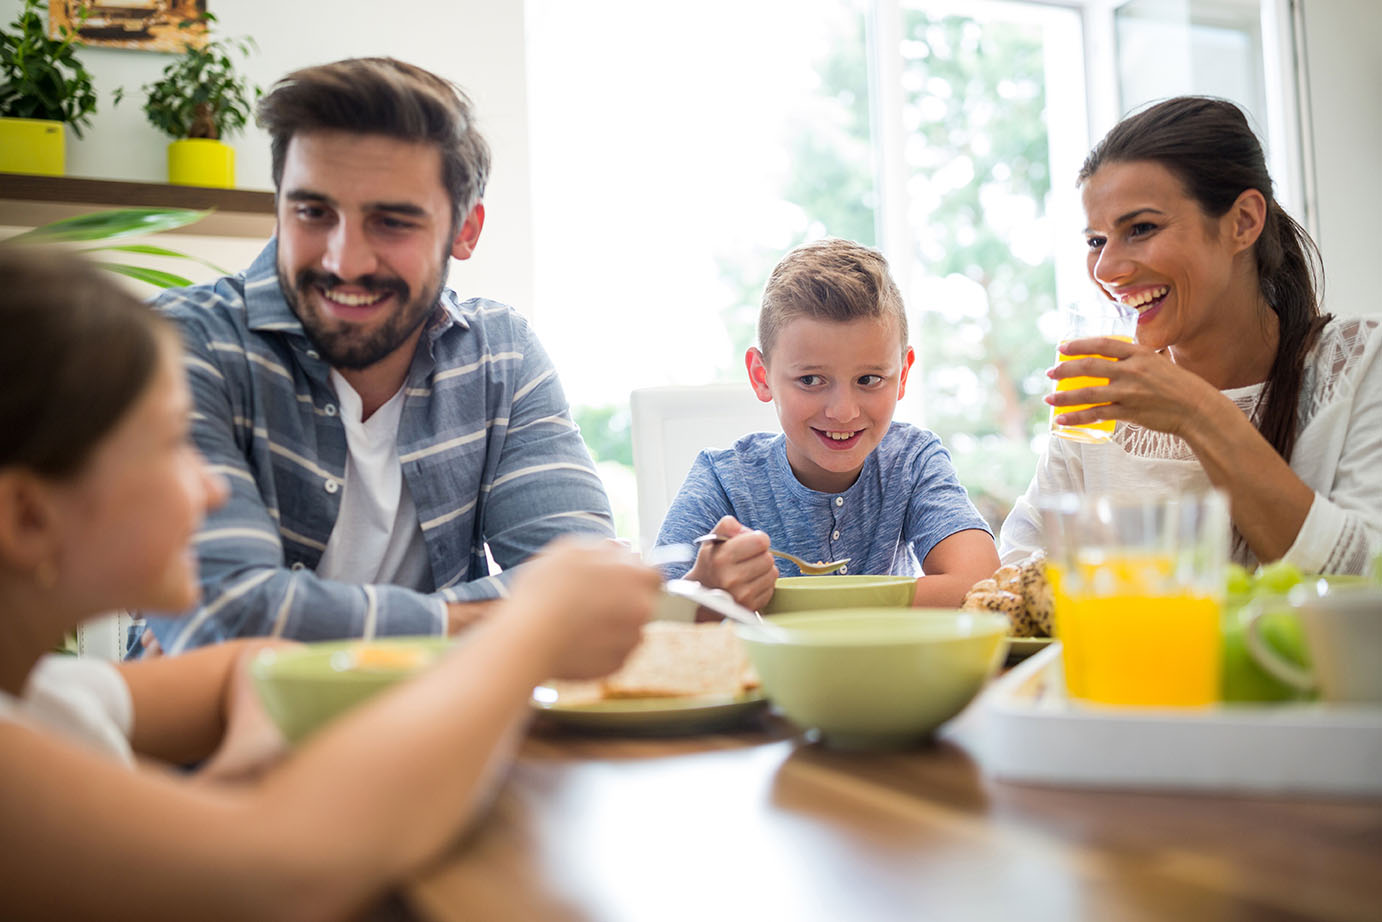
<point x="906" y="501"/>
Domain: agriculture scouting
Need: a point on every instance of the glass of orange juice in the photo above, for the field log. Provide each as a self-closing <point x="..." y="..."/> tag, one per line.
<point x="1107" y="318"/>
<point x="1138" y="585"/>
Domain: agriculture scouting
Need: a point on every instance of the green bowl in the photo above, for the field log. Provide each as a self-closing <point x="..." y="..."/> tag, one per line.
<point x="305" y="687"/>
<point x="823" y="593"/>
<point x="875" y="678"/>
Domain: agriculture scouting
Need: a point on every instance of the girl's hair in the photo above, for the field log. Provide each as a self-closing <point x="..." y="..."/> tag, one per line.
<point x="76" y="353"/>
<point x="1207" y="144"/>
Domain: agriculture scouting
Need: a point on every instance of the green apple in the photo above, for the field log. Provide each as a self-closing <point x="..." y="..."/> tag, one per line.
<point x="1237" y="580"/>
<point x="1279" y="576"/>
<point x="1241" y="678"/>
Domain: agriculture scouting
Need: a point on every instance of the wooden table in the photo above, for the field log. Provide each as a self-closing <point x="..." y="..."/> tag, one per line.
<point x="765" y="825"/>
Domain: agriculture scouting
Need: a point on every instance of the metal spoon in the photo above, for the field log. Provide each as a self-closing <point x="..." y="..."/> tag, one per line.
<point x="807" y="569"/>
<point x="721" y="602"/>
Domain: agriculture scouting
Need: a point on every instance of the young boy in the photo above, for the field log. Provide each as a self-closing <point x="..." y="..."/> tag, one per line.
<point x="842" y="480"/>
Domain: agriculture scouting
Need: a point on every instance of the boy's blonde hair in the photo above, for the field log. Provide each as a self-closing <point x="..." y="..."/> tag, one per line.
<point x="831" y="279"/>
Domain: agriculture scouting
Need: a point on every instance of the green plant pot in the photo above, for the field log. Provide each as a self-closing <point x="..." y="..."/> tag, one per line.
<point x="33" y="145"/>
<point x="201" y="162"/>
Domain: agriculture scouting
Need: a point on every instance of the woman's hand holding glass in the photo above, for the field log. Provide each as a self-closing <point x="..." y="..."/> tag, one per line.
<point x="1144" y="388"/>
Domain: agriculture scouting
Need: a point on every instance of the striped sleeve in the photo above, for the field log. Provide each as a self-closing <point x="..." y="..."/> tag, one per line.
<point x="545" y="484"/>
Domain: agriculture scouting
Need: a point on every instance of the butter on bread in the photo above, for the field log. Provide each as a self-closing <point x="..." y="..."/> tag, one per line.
<point x="677" y="659"/>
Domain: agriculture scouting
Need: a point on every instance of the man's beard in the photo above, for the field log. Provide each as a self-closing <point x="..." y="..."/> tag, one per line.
<point x="341" y="344"/>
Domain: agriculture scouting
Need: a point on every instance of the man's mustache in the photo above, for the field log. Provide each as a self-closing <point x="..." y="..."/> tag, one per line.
<point x="312" y="278"/>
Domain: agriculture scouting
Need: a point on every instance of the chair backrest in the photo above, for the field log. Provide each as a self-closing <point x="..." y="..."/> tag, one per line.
<point x="104" y="636"/>
<point x="671" y="425"/>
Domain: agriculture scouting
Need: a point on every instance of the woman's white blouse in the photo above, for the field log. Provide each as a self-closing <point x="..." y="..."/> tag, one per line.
<point x="1338" y="454"/>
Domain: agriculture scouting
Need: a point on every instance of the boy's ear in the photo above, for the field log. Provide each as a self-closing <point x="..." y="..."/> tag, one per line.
<point x="908" y="358"/>
<point x="758" y="374"/>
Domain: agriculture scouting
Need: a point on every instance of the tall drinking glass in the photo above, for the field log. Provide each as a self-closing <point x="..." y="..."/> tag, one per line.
<point x="1106" y="318"/>
<point x="1139" y="584"/>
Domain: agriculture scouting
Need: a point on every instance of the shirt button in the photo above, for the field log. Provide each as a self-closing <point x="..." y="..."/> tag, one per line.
<point x="331" y="486"/>
<point x="839" y="500"/>
<point x="835" y="536"/>
<point x="298" y="565"/>
<point x="329" y="409"/>
<point x="312" y="354"/>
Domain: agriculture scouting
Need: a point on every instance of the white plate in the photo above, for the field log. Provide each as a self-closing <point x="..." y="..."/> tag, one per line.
<point x="693" y="714"/>
<point x="1019" y="648"/>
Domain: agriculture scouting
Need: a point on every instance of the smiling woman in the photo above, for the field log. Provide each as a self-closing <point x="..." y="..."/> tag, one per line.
<point x="1236" y="379"/>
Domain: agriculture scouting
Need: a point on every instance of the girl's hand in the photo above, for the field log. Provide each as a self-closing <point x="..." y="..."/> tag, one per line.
<point x="592" y="599"/>
<point x="252" y="742"/>
<point x="1144" y="387"/>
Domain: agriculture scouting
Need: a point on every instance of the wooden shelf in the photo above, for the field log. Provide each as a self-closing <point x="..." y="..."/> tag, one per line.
<point x="27" y="201"/>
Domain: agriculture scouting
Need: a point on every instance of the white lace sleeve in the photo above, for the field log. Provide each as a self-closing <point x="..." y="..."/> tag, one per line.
<point x="1340" y="452"/>
<point x="1060" y="470"/>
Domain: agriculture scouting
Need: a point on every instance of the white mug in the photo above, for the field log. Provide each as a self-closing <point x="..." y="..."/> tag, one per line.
<point x="1343" y="632"/>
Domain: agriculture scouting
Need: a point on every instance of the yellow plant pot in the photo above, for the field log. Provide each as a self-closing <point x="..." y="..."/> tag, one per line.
<point x="201" y="162"/>
<point x="33" y="145"/>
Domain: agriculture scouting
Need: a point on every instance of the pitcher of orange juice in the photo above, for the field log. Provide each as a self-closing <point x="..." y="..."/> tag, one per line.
<point x="1106" y="318"/>
<point x="1138" y="585"/>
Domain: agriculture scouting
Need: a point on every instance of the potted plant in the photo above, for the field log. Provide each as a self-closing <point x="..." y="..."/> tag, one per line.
<point x="42" y="85"/>
<point x="198" y="101"/>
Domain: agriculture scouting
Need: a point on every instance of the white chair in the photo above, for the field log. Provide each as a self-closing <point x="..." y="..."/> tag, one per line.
<point x="104" y="636"/>
<point x="671" y="425"/>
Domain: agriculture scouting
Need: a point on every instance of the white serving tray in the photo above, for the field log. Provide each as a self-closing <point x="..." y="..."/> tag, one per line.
<point x="1034" y="733"/>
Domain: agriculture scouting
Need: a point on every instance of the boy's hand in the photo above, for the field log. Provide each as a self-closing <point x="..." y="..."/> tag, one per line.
<point x="740" y="565"/>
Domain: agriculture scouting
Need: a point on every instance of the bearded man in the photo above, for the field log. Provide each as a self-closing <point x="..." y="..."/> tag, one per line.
<point x="378" y="433"/>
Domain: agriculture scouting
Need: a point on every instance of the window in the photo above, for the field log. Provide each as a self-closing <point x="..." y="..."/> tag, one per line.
<point x="678" y="151"/>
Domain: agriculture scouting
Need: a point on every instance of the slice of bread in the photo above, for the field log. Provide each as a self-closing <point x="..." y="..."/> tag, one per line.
<point x="677" y="659"/>
<point x="576" y="692"/>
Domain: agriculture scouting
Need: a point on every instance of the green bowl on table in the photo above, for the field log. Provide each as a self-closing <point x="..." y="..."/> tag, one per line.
<point x="820" y="593"/>
<point x="875" y="678"/>
<point x="307" y="686"/>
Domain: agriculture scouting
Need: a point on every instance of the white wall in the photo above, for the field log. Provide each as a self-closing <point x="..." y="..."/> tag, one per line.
<point x="476" y="43"/>
<point x="480" y="45"/>
<point x="1344" y="71"/>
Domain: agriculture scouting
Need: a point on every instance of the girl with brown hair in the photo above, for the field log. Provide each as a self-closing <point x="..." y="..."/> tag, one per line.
<point x="101" y="493"/>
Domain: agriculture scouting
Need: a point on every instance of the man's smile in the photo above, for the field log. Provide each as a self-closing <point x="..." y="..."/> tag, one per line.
<point x="353" y="306"/>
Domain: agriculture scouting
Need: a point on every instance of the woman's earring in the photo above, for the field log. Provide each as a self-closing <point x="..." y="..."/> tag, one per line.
<point x="46" y="573"/>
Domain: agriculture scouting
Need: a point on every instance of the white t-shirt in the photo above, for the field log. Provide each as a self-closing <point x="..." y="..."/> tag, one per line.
<point x="377" y="537"/>
<point x="81" y="699"/>
<point x="1338" y="454"/>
